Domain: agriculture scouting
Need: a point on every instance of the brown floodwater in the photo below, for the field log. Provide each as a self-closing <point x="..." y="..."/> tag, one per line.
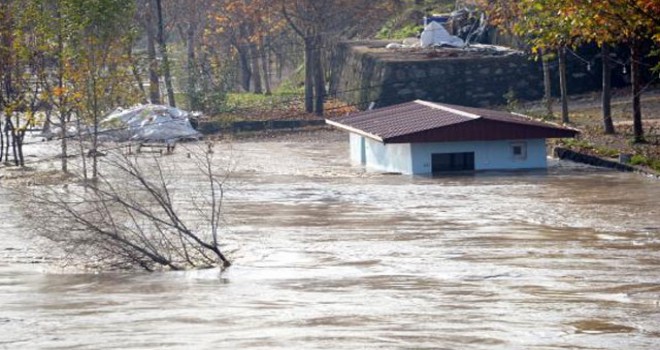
<point x="327" y="256"/>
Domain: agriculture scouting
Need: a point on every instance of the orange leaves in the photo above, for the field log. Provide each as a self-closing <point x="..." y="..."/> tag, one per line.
<point x="549" y="23"/>
<point x="59" y="91"/>
<point x="246" y="21"/>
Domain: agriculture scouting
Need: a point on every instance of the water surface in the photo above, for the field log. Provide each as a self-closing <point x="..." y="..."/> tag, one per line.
<point x="329" y="257"/>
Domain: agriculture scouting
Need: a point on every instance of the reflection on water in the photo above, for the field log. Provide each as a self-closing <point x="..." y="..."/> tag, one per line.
<point x="332" y="257"/>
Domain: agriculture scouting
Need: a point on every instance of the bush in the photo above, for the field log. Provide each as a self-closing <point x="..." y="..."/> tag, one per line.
<point x="639" y="159"/>
<point x="655" y="165"/>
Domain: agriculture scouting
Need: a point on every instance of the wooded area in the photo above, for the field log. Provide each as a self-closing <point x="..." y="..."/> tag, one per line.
<point x="74" y="61"/>
<point x="549" y="26"/>
<point x="65" y="64"/>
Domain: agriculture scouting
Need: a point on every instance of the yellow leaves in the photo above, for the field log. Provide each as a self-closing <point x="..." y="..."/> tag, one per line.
<point x="8" y="110"/>
<point x="31" y="120"/>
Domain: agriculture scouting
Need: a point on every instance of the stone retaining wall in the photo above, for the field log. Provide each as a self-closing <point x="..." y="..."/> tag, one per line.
<point x="362" y="73"/>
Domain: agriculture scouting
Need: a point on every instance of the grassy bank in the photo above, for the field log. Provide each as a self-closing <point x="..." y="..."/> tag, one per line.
<point x="585" y="115"/>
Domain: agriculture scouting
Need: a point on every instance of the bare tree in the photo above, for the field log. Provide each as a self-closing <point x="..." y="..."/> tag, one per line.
<point x="145" y="16"/>
<point x="321" y="23"/>
<point x="162" y="44"/>
<point x="608" y="125"/>
<point x="135" y="216"/>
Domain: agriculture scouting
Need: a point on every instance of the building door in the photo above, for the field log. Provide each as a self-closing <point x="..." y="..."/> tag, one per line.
<point x="443" y="162"/>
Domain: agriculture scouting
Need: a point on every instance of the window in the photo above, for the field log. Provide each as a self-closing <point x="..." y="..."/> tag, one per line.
<point x="519" y="150"/>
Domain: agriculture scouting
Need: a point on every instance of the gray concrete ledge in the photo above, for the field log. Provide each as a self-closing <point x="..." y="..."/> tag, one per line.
<point x="208" y="128"/>
<point x="567" y="154"/>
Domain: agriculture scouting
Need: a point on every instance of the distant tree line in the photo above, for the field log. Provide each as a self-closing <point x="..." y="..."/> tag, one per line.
<point x="550" y="27"/>
<point x="64" y="64"/>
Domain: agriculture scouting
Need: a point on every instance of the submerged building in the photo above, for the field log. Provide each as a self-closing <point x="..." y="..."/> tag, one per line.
<point x="423" y="137"/>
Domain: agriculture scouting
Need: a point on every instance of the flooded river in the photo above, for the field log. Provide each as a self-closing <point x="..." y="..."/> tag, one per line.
<point x="329" y="257"/>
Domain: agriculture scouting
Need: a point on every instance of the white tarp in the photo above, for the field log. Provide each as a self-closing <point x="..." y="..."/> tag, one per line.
<point x="435" y="34"/>
<point x="149" y="123"/>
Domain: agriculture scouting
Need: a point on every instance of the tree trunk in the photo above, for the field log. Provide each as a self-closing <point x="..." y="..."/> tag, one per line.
<point x="562" y="84"/>
<point x="635" y="58"/>
<point x="154" y="80"/>
<point x="607" y="90"/>
<point x="13" y="147"/>
<point x="309" y="75"/>
<point x="65" y="166"/>
<point x="12" y="130"/>
<point x="82" y="148"/>
<point x="319" y="78"/>
<point x="246" y="73"/>
<point x="2" y="141"/>
<point x="163" y="52"/>
<point x="61" y="99"/>
<point x="19" y="148"/>
<point x="95" y="135"/>
<point x="136" y="73"/>
<point x="547" y="84"/>
<point x="63" y="127"/>
<point x="256" y="70"/>
<point x="265" y="63"/>
<point x="280" y="65"/>
<point x="7" y="138"/>
<point x="192" y="76"/>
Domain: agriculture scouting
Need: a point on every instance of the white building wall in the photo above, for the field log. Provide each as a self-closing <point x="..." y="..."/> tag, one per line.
<point x="357" y="149"/>
<point x="416" y="158"/>
<point x="390" y="157"/>
<point x="488" y="155"/>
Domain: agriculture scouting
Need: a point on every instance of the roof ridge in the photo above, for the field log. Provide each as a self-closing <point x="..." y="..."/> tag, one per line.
<point x="447" y="109"/>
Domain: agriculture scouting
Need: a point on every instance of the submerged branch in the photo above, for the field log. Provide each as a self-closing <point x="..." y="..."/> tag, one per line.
<point x="132" y="217"/>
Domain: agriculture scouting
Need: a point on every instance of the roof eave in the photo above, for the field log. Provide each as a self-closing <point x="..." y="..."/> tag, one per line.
<point x="354" y="130"/>
<point x="550" y="124"/>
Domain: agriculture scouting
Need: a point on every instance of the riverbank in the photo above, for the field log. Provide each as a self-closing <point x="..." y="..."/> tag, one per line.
<point x="42" y="158"/>
<point x="585" y="114"/>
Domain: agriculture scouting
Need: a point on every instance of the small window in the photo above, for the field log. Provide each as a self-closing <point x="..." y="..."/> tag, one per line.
<point x="519" y="150"/>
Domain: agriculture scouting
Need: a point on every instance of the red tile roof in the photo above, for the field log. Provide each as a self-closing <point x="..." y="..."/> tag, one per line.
<point x="422" y="121"/>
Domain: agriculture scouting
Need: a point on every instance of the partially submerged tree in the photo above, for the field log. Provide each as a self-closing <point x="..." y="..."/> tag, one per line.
<point x="25" y="62"/>
<point x="100" y="69"/>
<point x="137" y="215"/>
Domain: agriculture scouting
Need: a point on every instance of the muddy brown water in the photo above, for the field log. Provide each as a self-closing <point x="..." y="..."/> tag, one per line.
<point x="329" y="257"/>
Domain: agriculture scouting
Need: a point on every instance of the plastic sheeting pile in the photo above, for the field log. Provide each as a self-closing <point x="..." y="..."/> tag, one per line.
<point x="435" y="34"/>
<point x="149" y="123"/>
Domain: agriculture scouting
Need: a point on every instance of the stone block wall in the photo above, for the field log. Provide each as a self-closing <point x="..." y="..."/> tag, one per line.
<point x="362" y="74"/>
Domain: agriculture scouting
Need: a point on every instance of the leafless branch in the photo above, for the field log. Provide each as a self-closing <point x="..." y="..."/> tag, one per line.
<point x="133" y="217"/>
